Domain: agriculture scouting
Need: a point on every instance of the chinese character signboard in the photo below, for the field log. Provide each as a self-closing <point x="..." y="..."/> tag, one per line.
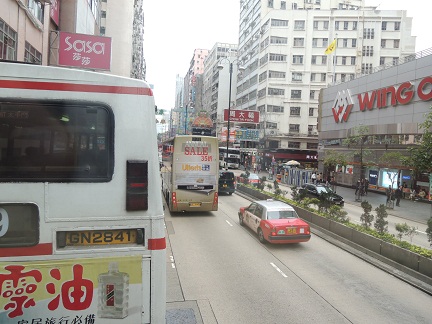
<point x="72" y="291"/>
<point x="85" y="51"/>
<point x="242" y="116"/>
<point x="55" y="11"/>
<point x="245" y="134"/>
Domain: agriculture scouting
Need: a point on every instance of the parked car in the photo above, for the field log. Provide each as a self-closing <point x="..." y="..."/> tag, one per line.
<point x="227" y="183"/>
<point x="252" y="179"/>
<point x="321" y="190"/>
<point x="275" y="222"/>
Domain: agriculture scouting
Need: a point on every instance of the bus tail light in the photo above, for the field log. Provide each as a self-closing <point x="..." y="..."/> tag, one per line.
<point x="215" y="201"/>
<point x="137" y="185"/>
<point x="174" y="200"/>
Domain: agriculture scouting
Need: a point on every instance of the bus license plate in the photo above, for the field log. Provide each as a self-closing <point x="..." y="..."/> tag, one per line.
<point x="102" y="237"/>
<point x="195" y="204"/>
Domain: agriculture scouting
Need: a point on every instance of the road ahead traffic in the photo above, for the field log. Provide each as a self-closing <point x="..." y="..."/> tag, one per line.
<point x="233" y="278"/>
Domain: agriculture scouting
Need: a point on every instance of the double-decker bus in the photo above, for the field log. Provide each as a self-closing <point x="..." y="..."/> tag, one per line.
<point x="190" y="176"/>
<point x="82" y="235"/>
<point x="233" y="160"/>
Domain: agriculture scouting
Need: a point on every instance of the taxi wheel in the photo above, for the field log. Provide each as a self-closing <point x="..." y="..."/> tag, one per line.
<point x="261" y="236"/>
<point x="241" y="220"/>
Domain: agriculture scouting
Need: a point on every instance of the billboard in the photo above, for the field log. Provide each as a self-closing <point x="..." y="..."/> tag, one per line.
<point x="85" y="51"/>
<point x="242" y="116"/>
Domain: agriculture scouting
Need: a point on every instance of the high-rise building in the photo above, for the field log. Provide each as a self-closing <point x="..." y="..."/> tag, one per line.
<point x="216" y="82"/>
<point x="283" y="46"/>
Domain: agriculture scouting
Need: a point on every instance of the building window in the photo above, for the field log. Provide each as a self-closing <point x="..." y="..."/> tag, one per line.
<point x="36" y="8"/>
<point x="366" y="68"/>
<point x="276" y="75"/>
<point x="297" y="59"/>
<point x="279" y="23"/>
<point x="353" y="60"/>
<point x="345" y="25"/>
<point x="369" y="33"/>
<point x="326" y="25"/>
<point x="396" y="43"/>
<point x="337" y="25"/>
<point x="397" y="25"/>
<point x="382" y="60"/>
<point x="312" y="94"/>
<point x="294" y="111"/>
<point x="354" y="42"/>
<point x="314" y="59"/>
<point x="295" y="94"/>
<point x="314" y="42"/>
<point x="324" y="59"/>
<point x="283" y="5"/>
<point x="278" y="40"/>
<point x="277" y="109"/>
<point x="275" y="92"/>
<point x="383" y="43"/>
<point x="344" y="60"/>
<point x="295" y="145"/>
<point x="298" y="42"/>
<point x="8" y="39"/>
<point x="345" y="42"/>
<point x="297" y="76"/>
<point x="102" y="31"/>
<point x="384" y="25"/>
<point x="32" y="55"/>
<point x="263" y="76"/>
<point x="270" y="3"/>
<point x="354" y="25"/>
<point x="271" y="125"/>
<point x="315" y="25"/>
<point x="312" y="146"/>
<point x="299" y="25"/>
<point x="323" y="77"/>
<point x="294" y="128"/>
<point x="313" y="77"/>
<point x="311" y="112"/>
<point x="278" y="57"/>
<point x="103" y="14"/>
<point x="325" y="42"/>
<point x="367" y="51"/>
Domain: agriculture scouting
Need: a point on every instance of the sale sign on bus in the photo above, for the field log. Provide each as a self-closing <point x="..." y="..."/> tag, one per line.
<point x="72" y="291"/>
<point x="85" y="51"/>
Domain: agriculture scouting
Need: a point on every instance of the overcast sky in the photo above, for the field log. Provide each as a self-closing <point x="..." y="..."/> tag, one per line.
<point x="173" y="29"/>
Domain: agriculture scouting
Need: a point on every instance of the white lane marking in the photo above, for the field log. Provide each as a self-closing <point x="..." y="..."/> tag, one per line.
<point x="172" y="262"/>
<point x="278" y="270"/>
<point x="228" y="223"/>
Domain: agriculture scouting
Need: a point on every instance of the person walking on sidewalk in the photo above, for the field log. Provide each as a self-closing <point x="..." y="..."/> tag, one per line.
<point x="388" y="193"/>
<point x="398" y="195"/>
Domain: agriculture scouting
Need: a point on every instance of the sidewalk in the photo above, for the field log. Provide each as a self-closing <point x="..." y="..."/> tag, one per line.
<point x="410" y="210"/>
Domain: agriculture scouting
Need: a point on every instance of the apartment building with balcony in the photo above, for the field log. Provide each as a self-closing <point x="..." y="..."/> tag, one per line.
<point x="282" y="44"/>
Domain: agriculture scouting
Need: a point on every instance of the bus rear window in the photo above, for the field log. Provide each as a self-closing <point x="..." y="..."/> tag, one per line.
<point x="55" y="142"/>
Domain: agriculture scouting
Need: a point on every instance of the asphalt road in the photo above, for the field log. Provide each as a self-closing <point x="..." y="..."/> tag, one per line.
<point x="218" y="272"/>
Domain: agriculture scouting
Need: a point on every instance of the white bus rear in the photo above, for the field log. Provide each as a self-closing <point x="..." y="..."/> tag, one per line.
<point x="81" y="220"/>
<point x="191" y="174"/>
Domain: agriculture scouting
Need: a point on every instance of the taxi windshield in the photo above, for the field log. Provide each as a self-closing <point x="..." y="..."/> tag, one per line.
<point x="281" y="214"/>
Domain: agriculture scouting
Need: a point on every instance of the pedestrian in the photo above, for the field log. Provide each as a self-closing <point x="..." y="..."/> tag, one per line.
<point x="313" y="177"/>
<point x="398" y="195"/>
<point x="366" y="186"/>
<point x="405" y="189"/>
<point x="358" y="186"/>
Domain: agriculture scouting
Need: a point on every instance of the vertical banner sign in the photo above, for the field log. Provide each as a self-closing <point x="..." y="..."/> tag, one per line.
<point x="85" y="51"/>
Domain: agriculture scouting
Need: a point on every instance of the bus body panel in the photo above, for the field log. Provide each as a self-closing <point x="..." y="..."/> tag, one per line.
<point x="190" y="176"/>
<point x="88" y="206"/>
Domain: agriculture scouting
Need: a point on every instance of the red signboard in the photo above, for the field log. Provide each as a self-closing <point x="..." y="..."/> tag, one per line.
<point x="55" y="11"/>
<point x="242" y="116"/>
<point x="85" y="51"/>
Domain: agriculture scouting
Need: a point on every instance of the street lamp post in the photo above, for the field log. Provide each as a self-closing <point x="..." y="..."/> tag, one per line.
<point x="220" y="67"/>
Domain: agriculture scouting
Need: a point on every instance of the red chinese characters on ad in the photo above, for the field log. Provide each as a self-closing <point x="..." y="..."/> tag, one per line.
<point x="18" y="288"/>
<point x="85" y="51"/>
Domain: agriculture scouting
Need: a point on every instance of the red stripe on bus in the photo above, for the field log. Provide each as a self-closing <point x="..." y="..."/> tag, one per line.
<point x="58" y="86"/>
<point x="157" y="244"/>
<point x="40" y="249"/>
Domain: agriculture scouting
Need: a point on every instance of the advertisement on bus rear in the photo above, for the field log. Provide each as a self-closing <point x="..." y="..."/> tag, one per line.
<point x="197" y="164"/>
<point x="87" y="291"/>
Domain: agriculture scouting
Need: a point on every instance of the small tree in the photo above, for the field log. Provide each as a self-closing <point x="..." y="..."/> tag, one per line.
<point x="338" y="214"/>
<point x="401" y="229"/>
<point x="269" y="186"/>
<point x="366" y="218"/>
<point x="296" y="195"/>
<point x="381" y="223"/>
<point x="429" y="231"/>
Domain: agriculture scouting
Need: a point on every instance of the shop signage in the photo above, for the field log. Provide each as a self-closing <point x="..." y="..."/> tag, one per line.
<point x="381" y="98"/>
<point x="85" y="51"/>
<point x="242" y="116"/>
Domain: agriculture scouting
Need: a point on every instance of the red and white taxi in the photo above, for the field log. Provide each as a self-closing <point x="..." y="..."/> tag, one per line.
<point x="275" y="222"/>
